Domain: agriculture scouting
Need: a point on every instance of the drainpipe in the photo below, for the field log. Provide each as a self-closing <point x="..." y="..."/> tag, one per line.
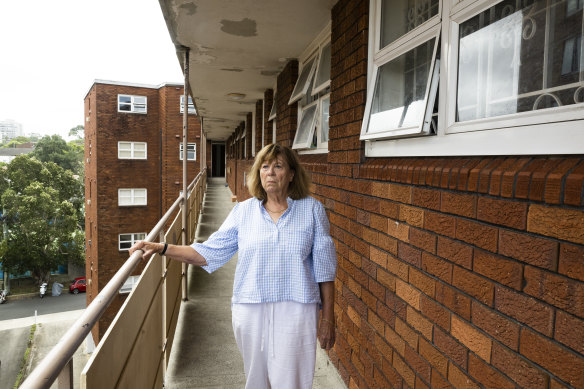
<point x="185" y="177"/>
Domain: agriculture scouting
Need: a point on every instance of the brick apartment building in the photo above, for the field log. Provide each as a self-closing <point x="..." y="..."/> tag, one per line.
<point x="446" y="141"/>
<point x="133" y="172"/>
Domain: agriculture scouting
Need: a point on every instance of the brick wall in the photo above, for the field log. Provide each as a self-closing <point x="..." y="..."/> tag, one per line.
<point x="269" y="100"/>
<point x="452" y="272"/>
<point x="258" y="125"/>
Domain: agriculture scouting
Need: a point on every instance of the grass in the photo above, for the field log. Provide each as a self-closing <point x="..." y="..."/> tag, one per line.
<point x="30" y="285"/>
<point x="20" y="375"/>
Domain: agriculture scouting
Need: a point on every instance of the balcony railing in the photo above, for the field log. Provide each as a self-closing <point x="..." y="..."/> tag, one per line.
<point x="135" y="349"/>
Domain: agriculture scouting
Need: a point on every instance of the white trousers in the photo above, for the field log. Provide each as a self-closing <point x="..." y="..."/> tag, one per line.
<point x="277" y="342"/>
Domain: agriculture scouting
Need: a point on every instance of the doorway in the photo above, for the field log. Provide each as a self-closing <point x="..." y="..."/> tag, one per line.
<point x="218" y="160"/>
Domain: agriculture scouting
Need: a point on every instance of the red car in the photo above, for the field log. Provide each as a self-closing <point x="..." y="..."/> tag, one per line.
<point x="77" y="285"/>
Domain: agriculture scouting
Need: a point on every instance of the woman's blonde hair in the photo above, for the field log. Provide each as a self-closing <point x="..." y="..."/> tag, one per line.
<point x="300" y="185"/>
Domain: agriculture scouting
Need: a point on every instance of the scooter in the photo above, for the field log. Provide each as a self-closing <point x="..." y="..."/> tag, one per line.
<point x="2" y="296"/>
<point x="43" y="289"/>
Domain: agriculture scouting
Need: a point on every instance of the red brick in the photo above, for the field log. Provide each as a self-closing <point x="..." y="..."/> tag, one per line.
<point x="531" y="179"/>
<point x="389" y="209"/>
<point x="435" y="312"/>
<point x="378" y="256"/>
<point x="398" y="230"/>
<point x="473" y="175"/>
<point x="472" y="338"/>
<point x="569" y="330"/>
<point x="397" y="267"/>
<point x="437" y="267"/>
<point x="453" y="300"/>
<point x="497" y="268"/>
<point x="561" y="223"/>
<point x="564" y="364"/>
<point x="440" y="223"/>
<point x="412" y="215"/>
<point x="426" y="198"/>
<point x="458" y="204"/>
<point x="439" y="382"/>
<point x="386" y="279"/>
<point x="559" y="291"/>
<point x="553" y="184"/>
<point x="420" y="323"/>
<point x="477" y="234"/>
<point x="504" y="330"/>
<point x="507" y="213"/>
<point x="525" y="309"/>
<point x="421" y="281"/>
<point x="500" y="176"/>
<point x="433" y="356"/>
<point x="459" y="379"/>
<point x="520" y="370"/>
<point x="574" y="186"/>
<point x="409" y="254"/>
<point x="420" y="366"/>
<point x="408" y="293"/>
<point x="456" y="252"/>
<point x="571" y="262"/>
<point x="423" y="240"/>
<point x="474" y="285"/>
<point x="529" y="249"/>
<point x="395" y="340"/>
<point x="404" y="371"/>
<point x="486" y="375"/>
<point x="386" y="314"/>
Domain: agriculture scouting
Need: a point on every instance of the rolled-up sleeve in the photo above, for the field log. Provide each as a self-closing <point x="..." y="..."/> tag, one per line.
<point x="222" y="244"/>
<point x="324" y="254"/>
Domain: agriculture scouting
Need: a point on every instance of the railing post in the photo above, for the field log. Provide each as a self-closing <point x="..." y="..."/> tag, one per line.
<point x="164" y="329"/>
<point x="185" y="183"/>
<point x="65" y="379"/>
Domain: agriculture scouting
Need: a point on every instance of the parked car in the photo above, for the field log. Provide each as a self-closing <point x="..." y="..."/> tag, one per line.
<point x="77" y="285"/>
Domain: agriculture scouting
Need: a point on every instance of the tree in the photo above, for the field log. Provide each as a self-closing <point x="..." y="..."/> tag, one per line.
<point x="77" y="131"/>
<point x="40" y="210"/>
<point x="54" y="149"/>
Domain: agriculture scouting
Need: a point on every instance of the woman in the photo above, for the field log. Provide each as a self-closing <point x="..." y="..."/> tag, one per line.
<point x="285" y="272"/>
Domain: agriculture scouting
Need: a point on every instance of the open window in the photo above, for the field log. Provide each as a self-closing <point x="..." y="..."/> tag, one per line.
<point x="274" y="109"/>
<point x="304" y="80"/>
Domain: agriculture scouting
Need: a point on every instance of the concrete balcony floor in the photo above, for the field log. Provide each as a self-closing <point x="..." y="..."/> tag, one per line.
<point x="204" y="353"/>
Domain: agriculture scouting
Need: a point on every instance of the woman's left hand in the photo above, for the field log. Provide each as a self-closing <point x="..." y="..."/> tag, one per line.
<point x="326" y="334"/>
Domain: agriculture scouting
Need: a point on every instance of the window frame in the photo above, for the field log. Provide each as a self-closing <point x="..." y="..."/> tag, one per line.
<point x="310" y="61"/>
<point x="191" y="105"/>
<point x="312" y="127"/>
<point x="133" y="197"/>
<point x="274" y="109"/>
<point x="132" y="150"/>
<point x="129" y="285"/>
<point x="180" y="151"/>
<point x="316" y="89"/>
<point x="133" y="104"/>
<point x="134" y="238"/>
<point x="539" y="132"/>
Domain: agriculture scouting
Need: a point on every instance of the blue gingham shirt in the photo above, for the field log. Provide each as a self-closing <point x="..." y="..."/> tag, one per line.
<point x="276" y="262"/>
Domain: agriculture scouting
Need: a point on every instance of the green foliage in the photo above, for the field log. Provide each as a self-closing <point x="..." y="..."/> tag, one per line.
<point x="16" y="141"/>
<point x="54" y="149"/>
<point x="77" y="131"/>
<point x="42" y="204"/>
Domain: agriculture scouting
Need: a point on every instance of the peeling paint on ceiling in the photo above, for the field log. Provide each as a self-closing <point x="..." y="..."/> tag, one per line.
<point x="190" y="8"/>
<point x="231" y="69"/>
<point x="270" y="72"/>
<point x="245" y="27"/>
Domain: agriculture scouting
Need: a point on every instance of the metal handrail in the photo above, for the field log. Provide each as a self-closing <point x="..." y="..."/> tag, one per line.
<point x="51" y="366"/>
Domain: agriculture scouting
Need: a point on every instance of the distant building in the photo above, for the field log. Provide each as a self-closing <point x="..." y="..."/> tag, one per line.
<point x="10" y="129"/>
<point x="133" y="173"/>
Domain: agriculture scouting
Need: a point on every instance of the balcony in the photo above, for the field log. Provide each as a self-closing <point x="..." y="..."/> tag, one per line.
<point x="160" y="339"/>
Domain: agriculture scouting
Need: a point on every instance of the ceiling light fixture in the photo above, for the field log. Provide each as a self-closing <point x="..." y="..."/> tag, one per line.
<point x="235" y="96"/>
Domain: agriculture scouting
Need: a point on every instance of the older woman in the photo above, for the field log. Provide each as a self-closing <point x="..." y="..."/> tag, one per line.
<point x="285" y="272"/>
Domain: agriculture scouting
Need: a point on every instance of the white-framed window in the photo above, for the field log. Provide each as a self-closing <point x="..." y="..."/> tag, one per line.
<point x="253" y="133"/>
<point x="129" y="285"/>
<point x="191" y="151"/>
<point x="125" y="241"/>
<point x="132" y="150"/>
<point x="131" y="196"/>
<point x="274" y="109"/>
<point x="312" y="91"/>
<point x="244" y="139"/>
<point x="191" y="109"/>
<point x="132" y="104"/>
<point x="504" y="78"/>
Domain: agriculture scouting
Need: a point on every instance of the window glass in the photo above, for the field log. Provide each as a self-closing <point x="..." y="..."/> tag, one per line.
<point x="306" y="127"/>
<point x="519" y="59"/>
<point x="323" y="73"/>
<point x="401" y="90"/>
<point x="324" y="119"/>
<point x="303" y="80"/>
<point x="191" y="151"/>
<point x="274" y="108"/>
<point x="398" y="17"/>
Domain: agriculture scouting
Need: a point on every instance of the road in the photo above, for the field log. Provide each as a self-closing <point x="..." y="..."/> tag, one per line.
<point x="16" y="309"/>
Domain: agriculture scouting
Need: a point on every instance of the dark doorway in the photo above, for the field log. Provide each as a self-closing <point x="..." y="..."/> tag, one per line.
<point x="218" y="160"/>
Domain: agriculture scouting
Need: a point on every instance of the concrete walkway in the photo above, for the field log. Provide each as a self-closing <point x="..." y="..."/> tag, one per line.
<point x="204" y="353"/>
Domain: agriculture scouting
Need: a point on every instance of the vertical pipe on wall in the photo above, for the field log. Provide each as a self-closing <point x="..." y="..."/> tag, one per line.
<point x="184" y="178"/>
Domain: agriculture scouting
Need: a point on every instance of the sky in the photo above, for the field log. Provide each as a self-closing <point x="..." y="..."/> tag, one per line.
<point x="52" y="51"/>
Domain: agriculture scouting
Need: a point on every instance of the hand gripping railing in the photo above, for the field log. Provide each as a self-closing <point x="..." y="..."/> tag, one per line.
<point x="58" y="362"/>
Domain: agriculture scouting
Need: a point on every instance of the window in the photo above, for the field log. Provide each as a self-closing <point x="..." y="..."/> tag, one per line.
<point x="131" y="196"/>
<point x="480" y="76"/>
<point x="191" y="152"/>
<point x="130" y="284"/>
<point x="312" y="91"/>
<point x="191" y="108"/>
<point x="127" y="240"/>
<point x="131" y="150"/>
<point x="132" y="104"/>
<point x="274" y="109"/>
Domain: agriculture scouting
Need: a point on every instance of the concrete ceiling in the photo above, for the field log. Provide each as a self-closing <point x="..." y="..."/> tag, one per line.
<point x="239" y="46"/>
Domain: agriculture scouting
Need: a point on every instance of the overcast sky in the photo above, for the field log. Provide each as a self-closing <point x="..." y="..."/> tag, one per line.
<point x="52" y="51"/>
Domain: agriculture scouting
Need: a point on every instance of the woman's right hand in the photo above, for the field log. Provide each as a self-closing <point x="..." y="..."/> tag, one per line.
<point x="149" y="248"/>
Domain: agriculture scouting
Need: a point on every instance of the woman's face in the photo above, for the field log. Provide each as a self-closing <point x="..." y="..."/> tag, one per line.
<point x="276" y="176"/>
